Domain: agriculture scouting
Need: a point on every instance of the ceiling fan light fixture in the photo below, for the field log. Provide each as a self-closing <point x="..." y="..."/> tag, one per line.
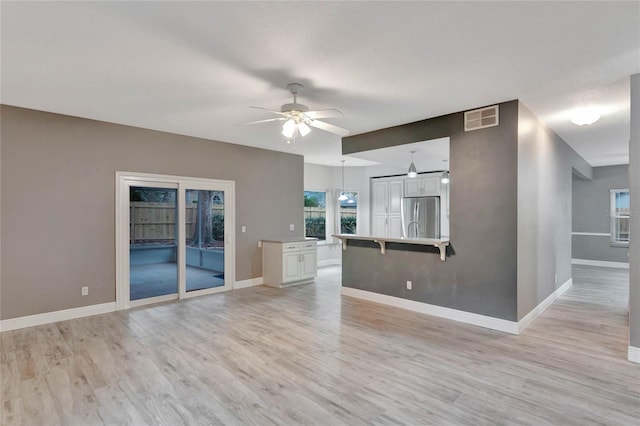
<point x="304" y="129"/>
<point x="412" y="168"/>
<point x="289" y="128"/>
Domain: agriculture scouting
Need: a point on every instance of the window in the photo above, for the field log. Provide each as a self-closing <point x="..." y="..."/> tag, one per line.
<point x="315" y="214"/>
<point x="349" y="213"/>
<point x="620" y="212"/>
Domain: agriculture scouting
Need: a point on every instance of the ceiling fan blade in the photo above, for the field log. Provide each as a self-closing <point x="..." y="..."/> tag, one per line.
<point x="329" y="127"/>
<point x="269" y="110"/>
<point x="263" y="121"/>
<point x="324" y="113"/>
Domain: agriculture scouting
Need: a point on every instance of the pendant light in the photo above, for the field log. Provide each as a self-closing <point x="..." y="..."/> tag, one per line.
<point x="412" y="168"/>
<point x="445" y="175"/>
<point x="342" y="196"/>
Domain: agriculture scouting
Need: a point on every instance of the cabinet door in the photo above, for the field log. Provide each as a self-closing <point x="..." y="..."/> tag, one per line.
<point x="309" y="264"/>
<point x="379" y="225"/>
<point x="380" y="198"/>
<point x="290" y="266"/>
<point x="396" y="192"/>
<point x="395" y="226"/>
<point x="412" y="187"/>
<point x="431" y="186"/>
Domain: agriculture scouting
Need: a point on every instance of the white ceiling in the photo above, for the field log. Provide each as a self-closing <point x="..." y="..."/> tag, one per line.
<point x="194" y="68"/>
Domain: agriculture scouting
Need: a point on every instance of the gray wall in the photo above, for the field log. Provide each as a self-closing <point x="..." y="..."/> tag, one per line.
<point x="58" y="191"/>
<point x="510" y="217"/>
<point x="590" y="214"/>
<point x="480" y="273"/>
<point x="545" y="167"/>
<point x="634" y="247"/>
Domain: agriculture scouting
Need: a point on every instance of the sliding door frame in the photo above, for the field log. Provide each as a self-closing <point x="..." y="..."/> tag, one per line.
<point x="123" y="181"/>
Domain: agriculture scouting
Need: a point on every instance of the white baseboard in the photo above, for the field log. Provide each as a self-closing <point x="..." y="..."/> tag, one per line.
<point x="634" y="354"/>
<point x="252" y="282"/>
<point x="438" y="311"/>
<point x="330" y="262"/>
<point x="49" y="317"/>
<point x="588" y="262"/>
<point x="535" y="312"/>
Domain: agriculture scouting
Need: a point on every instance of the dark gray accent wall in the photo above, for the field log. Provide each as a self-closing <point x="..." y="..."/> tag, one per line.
<point x="510" y="217"/>
<point x="545" y="169"/>
<point x="591" y="207"/>
<point x="58" y="195"/>
<point x="480" y="274"/>
<point x="634" y="187"/>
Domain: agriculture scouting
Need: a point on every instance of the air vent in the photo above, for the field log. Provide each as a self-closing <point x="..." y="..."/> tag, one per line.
<point x="481" y="118"/>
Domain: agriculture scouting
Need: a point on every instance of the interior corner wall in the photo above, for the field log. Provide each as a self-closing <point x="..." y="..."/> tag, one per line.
<point x="58" y="195"/>
<point x="545" y="164"/>
<point x="591" y="206"/>
<point x="634" y="239"/>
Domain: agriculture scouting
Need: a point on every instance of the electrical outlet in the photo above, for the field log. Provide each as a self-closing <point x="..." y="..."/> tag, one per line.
<point x="556" y="278"/>
<point x="244" y="228"/>
<point x="409" y="285"/>
<point x="85" y="291"/>
<point x="259" y="244"/>
<point x="292" y="227"/>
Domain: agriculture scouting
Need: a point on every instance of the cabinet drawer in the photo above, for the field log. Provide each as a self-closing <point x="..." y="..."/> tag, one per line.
<point x="290" y="247"/>
<point x="308" y="245"/>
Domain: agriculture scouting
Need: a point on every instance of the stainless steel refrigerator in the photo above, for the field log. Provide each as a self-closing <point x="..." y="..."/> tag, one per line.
<point x="420" y="217"/>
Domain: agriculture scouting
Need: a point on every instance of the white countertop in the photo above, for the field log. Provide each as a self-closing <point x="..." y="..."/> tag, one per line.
<point x="290" y="240"/>
<point x="422" y="241"/>
<point x="441" y="244"/>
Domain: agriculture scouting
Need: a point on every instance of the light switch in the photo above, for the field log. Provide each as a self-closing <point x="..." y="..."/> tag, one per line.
<point x="292" y="227"/>
<point x="244" y="228"/>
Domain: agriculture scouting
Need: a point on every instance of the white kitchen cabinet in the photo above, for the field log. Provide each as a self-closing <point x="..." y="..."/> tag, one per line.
<point x="286" y="263"/>
<point x="386" y="201"/>
<point x="422" y="186"/>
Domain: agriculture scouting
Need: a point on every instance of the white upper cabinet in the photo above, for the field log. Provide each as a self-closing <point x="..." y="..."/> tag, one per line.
<point x="422" y="186"/>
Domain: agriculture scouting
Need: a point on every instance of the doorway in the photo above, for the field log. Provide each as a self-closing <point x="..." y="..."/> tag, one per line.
<point x="174" y="237"/>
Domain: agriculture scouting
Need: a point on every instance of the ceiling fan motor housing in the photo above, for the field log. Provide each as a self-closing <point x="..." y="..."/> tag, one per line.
<point x="294" y="107"/>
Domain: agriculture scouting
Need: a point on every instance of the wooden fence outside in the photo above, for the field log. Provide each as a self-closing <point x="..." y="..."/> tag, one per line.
<point x="322" y="212"/>
<point x="157" y="221"/>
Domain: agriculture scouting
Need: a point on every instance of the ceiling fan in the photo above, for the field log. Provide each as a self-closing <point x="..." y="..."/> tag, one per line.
<point x="297" y="117"/>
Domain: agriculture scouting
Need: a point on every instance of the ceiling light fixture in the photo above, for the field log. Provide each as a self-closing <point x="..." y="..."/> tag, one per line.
<point x="585" y="117"/>
<point x="342" y="196"/>
<point x="289" y="128"/>
<point x="303" y="129"/>
<point x="294" y="127"/>
<point x="412" y="167"/>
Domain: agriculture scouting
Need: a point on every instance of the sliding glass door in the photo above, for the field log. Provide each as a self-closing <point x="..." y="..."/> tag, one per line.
<point x="153" y="244"/>
<point x="174" y="237"/>
<point x="204" y="239"/>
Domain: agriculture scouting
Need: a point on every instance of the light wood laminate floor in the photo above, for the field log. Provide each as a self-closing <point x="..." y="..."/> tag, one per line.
<point x="304" y="355"/>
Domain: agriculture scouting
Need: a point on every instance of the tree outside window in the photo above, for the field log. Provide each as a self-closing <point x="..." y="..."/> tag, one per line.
<point x="349" y="213"/>
<point x="315" y="214"/>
